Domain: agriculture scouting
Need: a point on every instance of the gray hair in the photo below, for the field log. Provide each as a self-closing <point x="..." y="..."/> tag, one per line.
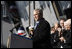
<point x="39" y="11"/>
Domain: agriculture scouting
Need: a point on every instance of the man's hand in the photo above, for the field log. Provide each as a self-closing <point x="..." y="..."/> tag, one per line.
<point x="52" y="32"/>
<point x="31" y="32"/>
<point x="31" y="28"/>
<point x="62" y="39"/>
<point x="59" y="29"/>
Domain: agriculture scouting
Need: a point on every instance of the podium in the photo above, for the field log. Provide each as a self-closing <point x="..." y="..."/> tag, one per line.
<point x="18" y="41"/>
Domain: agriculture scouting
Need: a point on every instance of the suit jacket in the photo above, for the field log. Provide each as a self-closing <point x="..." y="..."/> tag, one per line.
<point x="41" y="37"/>
<point x="55" y="39"/>
<point x="67" y="36"/>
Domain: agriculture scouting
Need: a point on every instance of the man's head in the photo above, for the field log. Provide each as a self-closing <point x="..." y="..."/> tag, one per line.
<point x="38" y="14"/>
<point x="56" y="25"/>
<point x="67" y="24"/>
<point x="62" y="22"/>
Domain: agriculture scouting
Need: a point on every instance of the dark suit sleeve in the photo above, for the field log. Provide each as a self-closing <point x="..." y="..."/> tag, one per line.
<point x="42" y="33"/>
<point x="68" y="37"/>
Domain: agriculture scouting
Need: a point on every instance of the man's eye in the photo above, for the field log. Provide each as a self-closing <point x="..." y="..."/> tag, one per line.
<point x="35" y="14"/>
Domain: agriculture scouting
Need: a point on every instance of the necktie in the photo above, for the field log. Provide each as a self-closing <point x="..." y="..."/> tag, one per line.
<point x="35" y="25"/>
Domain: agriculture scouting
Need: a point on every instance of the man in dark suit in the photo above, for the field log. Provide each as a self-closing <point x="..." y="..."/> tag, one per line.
<point x="41" y="33"/>
<point x="66" y="35"/>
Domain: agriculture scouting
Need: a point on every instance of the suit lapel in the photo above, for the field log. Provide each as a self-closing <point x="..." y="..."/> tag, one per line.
<point x="39" y="24"/>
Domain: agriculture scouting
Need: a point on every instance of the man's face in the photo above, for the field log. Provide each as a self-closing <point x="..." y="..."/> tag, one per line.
<point x="36" y="15"/>
<point x="56" y="25"/>
<point x="62" y="23"/>
<point x="67" y="26"/>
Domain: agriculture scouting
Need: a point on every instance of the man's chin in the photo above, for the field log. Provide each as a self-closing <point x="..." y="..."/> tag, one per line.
<point x="36" y="19"/>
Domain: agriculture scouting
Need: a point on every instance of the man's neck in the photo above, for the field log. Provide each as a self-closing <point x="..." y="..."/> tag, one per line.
<point x="37" y="21"/>
<point x="40" y="19"/>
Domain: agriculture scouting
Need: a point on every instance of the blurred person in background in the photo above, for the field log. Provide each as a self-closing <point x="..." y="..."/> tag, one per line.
<point x="62" y="24"/>
<point x="66" y="36"/>
<point x="55" y="35"/>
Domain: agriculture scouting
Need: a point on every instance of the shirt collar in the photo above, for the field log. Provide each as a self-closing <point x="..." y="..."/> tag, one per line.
<point x="37" y="21"/>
